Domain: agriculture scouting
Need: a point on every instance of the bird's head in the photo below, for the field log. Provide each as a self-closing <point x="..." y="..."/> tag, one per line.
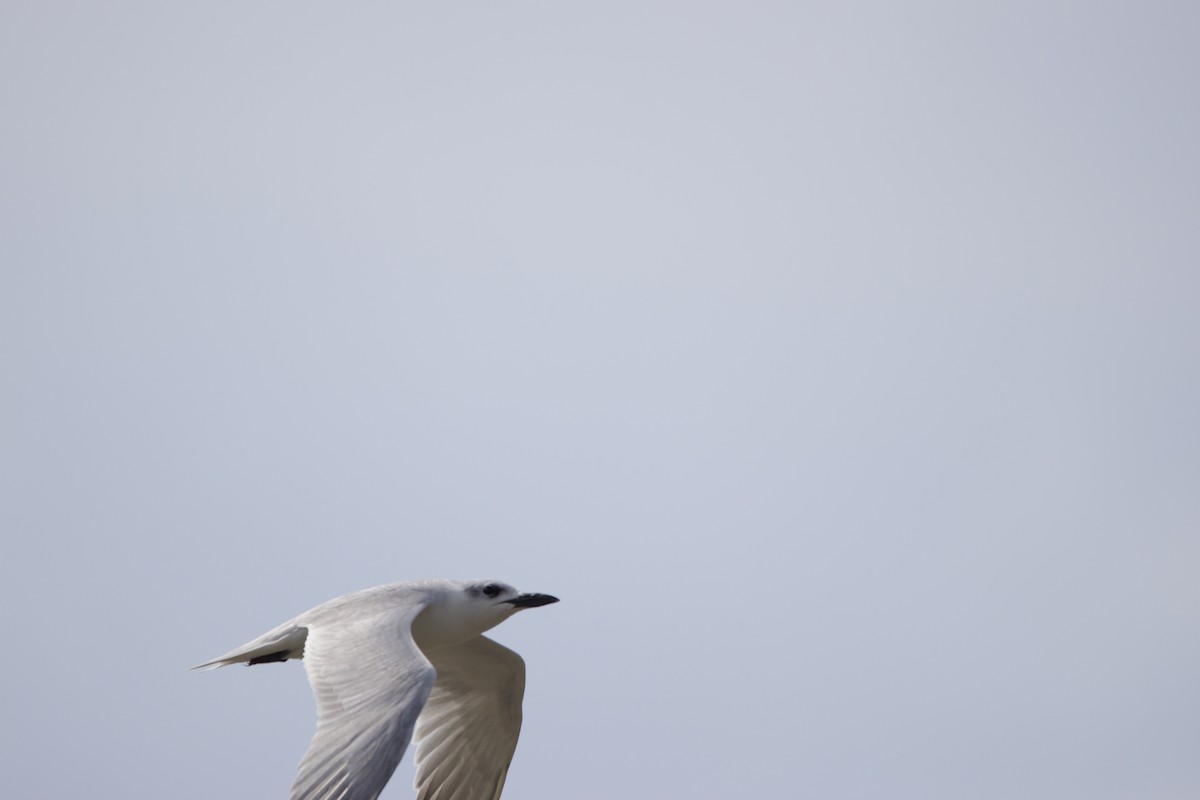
<point x="468" y="608"/>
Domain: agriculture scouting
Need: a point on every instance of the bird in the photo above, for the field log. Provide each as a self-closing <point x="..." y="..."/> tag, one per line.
<point x="400" y="662"/>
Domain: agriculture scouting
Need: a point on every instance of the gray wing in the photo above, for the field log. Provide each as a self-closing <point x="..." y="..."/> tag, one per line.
<point x="468" y="731"/>
<point x="370" y="681"/>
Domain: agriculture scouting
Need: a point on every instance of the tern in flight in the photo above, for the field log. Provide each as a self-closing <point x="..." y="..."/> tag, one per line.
<point x="401" y="662"/>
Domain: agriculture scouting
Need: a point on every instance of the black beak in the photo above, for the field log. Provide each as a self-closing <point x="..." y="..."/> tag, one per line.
<point x="532" y="600"/>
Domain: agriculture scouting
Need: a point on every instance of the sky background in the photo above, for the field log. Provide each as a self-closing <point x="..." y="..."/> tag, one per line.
<point x="837" y="364"/>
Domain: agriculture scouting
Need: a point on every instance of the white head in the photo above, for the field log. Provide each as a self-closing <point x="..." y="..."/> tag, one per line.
<point x="464" y="609"/>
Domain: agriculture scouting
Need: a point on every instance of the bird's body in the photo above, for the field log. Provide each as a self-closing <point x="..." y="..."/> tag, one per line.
<point x="405" y="657"/>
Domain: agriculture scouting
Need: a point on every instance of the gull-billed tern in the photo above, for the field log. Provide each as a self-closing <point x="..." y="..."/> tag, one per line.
<point x="403" y="660"/>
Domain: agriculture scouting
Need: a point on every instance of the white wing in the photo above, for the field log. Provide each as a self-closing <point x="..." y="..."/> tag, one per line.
<point x="468" y="731"/>
<point x="370" y="681"/>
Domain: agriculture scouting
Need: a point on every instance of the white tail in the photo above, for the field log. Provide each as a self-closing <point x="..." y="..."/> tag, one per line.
<point x="280" y="644"/>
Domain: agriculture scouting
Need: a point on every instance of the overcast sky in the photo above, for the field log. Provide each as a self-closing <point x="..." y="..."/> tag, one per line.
<point x="837" y="364"/>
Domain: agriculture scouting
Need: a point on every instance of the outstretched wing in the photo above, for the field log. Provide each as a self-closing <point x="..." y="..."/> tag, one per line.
<point x="468" y="731"/>
<point x="370" y="681"/>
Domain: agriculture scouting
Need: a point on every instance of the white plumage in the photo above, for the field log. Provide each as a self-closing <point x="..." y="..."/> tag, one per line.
<point x="405" y="657"/>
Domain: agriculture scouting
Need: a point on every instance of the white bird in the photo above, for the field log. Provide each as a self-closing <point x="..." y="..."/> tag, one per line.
<point x="409" y="656"/>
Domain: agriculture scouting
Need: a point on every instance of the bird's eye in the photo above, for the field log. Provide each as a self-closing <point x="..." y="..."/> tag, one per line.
<point x="491" y="590"/>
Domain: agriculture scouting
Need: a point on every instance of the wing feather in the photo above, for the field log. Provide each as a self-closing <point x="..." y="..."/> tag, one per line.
<point x="370" y="681"/>
<point x="468" y="731"/>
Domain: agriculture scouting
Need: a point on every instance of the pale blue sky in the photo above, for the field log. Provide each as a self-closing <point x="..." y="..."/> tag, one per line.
<point x="837" y="365"/>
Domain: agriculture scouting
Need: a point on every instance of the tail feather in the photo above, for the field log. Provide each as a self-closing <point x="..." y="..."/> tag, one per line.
<point x="280" y="644"/>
